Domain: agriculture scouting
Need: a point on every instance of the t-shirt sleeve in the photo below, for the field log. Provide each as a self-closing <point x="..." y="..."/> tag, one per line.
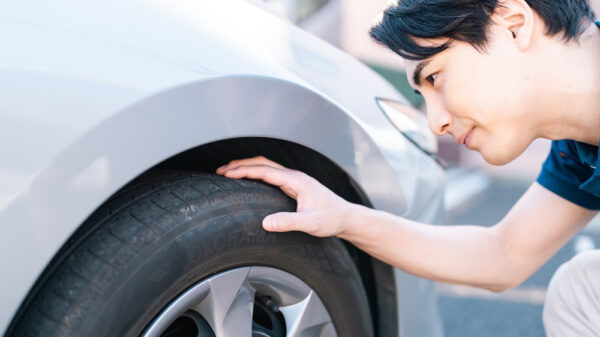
<point x="563" y="173"/>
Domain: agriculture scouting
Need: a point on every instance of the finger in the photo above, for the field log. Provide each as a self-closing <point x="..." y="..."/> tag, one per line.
<point x="284" y="222"/>
<point x="259" y="160"/>
<point x="288" y="180"/>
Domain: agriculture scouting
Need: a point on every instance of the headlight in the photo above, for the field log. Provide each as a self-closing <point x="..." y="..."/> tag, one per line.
<point x="410" y="122"/>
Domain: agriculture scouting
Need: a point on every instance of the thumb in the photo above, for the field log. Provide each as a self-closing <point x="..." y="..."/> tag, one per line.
<point x="282" y="221"/>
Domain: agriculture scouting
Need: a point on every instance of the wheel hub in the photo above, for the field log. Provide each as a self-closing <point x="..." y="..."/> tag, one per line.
<point x="244" y="302"/>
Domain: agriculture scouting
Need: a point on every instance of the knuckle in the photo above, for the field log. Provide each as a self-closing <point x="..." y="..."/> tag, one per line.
<point x="303" y="177"/>
<point x="239" y="171"/>
<point x="297" y="174"/>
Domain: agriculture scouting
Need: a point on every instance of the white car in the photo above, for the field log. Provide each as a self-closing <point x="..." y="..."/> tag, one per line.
<point x="114" y="116"/>
<point x="322" y="18"/>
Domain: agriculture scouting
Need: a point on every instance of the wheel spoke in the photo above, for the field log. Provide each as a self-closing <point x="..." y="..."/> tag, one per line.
<point x="227" y="300"/>
<point x="308" y="318"/>
<point x="228" y="307"/>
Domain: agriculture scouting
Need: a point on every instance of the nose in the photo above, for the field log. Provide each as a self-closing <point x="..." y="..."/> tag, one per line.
<point x="439" y="119"/>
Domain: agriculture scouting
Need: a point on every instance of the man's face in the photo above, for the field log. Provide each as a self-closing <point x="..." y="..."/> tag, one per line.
<point x="484" y="99"/>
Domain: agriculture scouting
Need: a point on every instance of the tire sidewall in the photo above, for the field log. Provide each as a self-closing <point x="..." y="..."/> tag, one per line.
<point x="229" y="237"/>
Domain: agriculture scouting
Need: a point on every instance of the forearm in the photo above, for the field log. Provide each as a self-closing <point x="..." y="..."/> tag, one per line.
<point x="470" y="255"/>
<point x="490" y="257"/>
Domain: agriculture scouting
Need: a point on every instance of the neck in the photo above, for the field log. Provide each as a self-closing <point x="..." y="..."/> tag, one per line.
<point x="571" y="91"/>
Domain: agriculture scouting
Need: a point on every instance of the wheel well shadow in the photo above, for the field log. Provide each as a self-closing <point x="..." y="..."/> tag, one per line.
<point x="377" y="277"/>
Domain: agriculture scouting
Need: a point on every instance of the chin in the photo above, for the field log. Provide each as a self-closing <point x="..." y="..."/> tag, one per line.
<point x="498" y="158"/>
<point x="501" y="151"/>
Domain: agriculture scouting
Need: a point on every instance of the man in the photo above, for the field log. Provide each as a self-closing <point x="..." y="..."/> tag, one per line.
<point x="495" y="74"/>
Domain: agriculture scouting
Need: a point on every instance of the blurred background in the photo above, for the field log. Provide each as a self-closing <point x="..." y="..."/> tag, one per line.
<point x="477" y="193"/>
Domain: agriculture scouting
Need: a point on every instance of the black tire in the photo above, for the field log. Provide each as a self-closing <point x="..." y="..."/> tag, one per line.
<point x="160" y="235"/>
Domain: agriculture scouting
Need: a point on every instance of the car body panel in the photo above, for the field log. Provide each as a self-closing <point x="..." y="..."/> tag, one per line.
<point x="323" y="20"/>
<point x="91" y="98"/>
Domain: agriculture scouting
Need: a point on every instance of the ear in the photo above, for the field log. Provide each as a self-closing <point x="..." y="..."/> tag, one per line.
<point x="516" y="18"/>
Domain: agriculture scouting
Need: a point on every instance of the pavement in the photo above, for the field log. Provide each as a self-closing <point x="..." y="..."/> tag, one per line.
<point x="470" y="312"/>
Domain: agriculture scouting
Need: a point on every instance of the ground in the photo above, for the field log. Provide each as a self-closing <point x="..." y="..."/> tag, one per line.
<point x="468" y="312"/>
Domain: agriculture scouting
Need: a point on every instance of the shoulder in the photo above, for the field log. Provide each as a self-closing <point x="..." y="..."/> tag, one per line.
<point x="563" y="173"/>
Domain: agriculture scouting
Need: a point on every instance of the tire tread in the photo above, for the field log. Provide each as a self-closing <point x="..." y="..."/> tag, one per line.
<point x="131" y="221"/>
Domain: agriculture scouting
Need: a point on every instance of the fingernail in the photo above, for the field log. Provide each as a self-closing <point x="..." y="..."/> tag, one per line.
<point x="271" y="223"/>
<point x="221" y="168"/>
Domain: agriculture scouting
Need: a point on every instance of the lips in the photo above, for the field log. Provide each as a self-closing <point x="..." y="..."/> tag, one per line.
<point x="465" y="139"/>
<point x="468" y="139"/>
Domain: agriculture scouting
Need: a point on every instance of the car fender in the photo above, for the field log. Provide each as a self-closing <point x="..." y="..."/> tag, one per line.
<point x="73" y="184"/>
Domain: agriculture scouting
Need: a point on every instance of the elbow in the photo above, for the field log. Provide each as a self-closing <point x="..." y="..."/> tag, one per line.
<point x="512" y="267"/>
<point x="504" y="284"/>
<point x="498" y="288"/>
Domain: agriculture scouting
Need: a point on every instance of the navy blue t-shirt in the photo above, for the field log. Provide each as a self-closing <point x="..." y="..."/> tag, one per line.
<point x="572" y="170"/>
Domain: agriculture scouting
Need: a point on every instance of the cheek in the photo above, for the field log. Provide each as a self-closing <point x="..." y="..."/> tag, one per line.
<point x="464" y="90"/>
<point x="486" y="103"/>
<point x="478" y="87"/>
<point x="464" y="100"/>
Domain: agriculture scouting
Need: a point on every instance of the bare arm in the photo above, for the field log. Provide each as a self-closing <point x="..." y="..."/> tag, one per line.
<point x="495" y="257"/>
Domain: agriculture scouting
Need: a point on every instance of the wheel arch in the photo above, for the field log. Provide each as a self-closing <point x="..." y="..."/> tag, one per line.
<point x="378" y="277"/>
<point x="109" y="156"/>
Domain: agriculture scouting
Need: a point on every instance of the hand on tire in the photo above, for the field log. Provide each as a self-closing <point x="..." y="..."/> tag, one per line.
<point x="320" y="212"/>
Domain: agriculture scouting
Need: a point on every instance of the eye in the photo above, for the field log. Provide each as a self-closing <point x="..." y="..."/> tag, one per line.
<point x="431" y="78"/>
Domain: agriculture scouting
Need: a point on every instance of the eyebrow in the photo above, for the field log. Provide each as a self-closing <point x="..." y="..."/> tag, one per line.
<point x="418" y="70"/>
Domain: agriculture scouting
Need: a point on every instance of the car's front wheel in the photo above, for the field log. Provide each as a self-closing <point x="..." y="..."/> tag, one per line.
<point x="185" y="255"/>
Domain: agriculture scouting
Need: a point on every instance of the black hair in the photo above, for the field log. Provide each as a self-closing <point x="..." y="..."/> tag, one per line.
<point x="467" y="21"/>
